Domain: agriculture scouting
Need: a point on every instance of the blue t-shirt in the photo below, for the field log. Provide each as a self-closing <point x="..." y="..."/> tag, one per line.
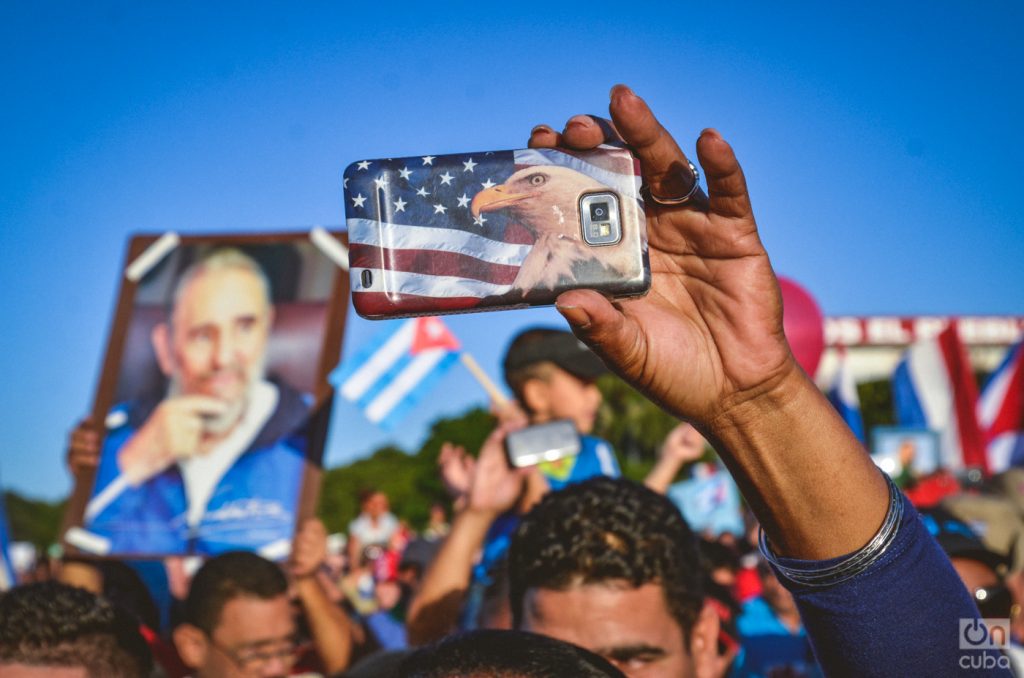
<point x="769" y="648"/>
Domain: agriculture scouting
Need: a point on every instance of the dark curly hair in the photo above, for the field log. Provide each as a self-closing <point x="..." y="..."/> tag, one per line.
<point x="602" y="530"/>
<point x="504" y="654"/>
<point x="52" y="624"/>
<point x="235" y="574"/>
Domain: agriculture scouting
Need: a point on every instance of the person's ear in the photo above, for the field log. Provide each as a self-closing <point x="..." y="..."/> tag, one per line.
<point x="704" y="645"/>
<point x="537" y="397"/>
<point x="192" y="645"/>
<point x="161" y="338"/>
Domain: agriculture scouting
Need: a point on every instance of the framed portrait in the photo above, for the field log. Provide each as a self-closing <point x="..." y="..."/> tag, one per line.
<point x="213" y="401"/>
<point x="893" y="448"/>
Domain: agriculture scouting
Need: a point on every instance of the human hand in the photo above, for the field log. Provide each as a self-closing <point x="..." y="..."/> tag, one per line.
<point x="683" y="444"/>
<point x="510" y="412"/>
<point x="174" y="431"/>
<point x="495" y="486"/>
<point x="83" y="448"/>
<point x="708" y="336"/>
<point x="309" y="549"/>
<point x="456" y="469"/>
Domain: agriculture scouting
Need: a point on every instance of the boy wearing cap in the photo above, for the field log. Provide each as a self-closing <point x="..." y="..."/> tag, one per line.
<point x="552" y="375"/>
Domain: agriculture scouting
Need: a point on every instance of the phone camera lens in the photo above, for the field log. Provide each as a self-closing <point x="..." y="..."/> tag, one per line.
<point x="599" y="211"/>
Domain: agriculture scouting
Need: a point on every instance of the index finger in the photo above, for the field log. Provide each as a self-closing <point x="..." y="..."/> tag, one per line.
<point x="666" y="168"/>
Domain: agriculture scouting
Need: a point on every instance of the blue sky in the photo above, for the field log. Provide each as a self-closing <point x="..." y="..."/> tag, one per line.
<point x="881" y="142"/>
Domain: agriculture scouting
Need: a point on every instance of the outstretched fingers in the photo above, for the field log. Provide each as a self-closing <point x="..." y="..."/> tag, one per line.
<point x="665" y="166"/>
<point x="727" y="187"/>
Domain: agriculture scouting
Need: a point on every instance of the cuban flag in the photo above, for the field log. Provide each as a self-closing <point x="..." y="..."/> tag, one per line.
<point x="7" y="577"/>
<point x="934" y="388"/>
<point x="843" y="396"/>
<point x="1001" y="411"/>
<point x="445" y="253"/>
<point x="392" y="372"/>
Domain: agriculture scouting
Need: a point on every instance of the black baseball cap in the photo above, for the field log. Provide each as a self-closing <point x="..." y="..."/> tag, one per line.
<point x="545" y="344"/>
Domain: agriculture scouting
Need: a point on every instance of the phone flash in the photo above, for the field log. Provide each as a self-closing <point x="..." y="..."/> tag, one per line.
<point x="599" y="213"/>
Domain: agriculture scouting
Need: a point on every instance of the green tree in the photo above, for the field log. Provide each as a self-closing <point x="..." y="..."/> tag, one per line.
<point x="411" y="481"/>
<point x="33" y="520"/>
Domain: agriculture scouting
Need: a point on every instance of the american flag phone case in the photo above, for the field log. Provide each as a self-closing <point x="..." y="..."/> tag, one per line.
<point x="493" y="230"/>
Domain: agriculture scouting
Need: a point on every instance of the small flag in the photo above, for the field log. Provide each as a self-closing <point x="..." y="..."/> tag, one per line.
<point x="934" y="388"/>
<point x="1001" y="411"/>
<point x="7" y="576"/>
<point x="843" y="396"/>
<point x="710" y="501"/>
<point x="394" y="370"/>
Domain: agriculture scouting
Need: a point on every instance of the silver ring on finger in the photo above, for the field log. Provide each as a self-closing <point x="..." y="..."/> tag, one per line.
<point x="675" y="202"/>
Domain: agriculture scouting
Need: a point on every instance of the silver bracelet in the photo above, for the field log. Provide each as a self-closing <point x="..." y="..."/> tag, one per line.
<point x="853" y="565"/>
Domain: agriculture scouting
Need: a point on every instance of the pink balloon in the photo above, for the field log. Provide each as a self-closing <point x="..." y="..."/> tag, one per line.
<point x="804" y="325"/>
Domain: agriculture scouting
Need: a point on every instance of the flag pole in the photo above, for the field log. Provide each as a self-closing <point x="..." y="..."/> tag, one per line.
<point x="497" y="397"/>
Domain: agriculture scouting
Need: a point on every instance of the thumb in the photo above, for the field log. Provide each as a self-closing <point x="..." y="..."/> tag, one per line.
<point x="600" y="325"/>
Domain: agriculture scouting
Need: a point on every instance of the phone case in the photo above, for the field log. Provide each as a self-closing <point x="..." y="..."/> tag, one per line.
<point x="492" y="230"/>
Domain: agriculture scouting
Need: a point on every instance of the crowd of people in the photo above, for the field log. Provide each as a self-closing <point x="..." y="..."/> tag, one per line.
<point x="565" y="568"/>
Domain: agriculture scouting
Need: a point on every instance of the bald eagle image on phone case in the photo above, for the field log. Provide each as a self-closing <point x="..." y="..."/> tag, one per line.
<point x="492" y="230"/>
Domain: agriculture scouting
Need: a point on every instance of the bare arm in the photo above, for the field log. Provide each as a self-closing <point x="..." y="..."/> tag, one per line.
<point x="328" y="623"/>
<point x="434" y="611"/>
<point x="683" y="444"/>
<point x="707" y="345"/>
<point x="493" y="489"/>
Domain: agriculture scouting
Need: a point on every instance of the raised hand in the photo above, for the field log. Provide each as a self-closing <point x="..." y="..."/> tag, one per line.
<point x="83" y="447"/>
<point x="495" y="487"/>
<point x="174" y="431"/>
<point x="709" y="334"/>
<point x="707" y="343"/>
<point x="683" y="444"/>
<point x="309" y="549"/>
<point x="456" y="469"/>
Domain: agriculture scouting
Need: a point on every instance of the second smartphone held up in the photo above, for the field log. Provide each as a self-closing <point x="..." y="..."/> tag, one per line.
<point x="491" y="230"/>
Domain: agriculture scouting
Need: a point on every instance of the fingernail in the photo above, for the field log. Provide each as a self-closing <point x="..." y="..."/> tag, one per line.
<point x="580" y="122"/>
<point x="541" y="128"/>
<point x="576" y="316"/>
<point x="621" y="90"/>
<point x="711" y="131"/>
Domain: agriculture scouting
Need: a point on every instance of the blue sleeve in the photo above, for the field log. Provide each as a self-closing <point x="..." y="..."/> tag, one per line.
<point x="900" y="617"/>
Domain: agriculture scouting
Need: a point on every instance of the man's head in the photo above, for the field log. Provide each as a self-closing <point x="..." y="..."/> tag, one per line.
<point x="774" y="593"/>
<point x="981" y="569"/>
<point x="612" y="566"/>
<point x="552" y="375"/>
<point x="52" y="630"/>
<point x="238" y="620"/>
<point x="373" y="502"/>
<point x="504" y="654"/>
<point x="214" y="342"/>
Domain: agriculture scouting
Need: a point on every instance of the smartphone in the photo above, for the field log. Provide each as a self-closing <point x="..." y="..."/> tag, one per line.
<point x="493" y="230"/>
<point x="543" y="442"/>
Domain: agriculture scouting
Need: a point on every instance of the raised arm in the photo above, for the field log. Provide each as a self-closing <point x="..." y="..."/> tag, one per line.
<point x="492" y="488"/>
<point x="707" y="344"/>
<point x="329" y="626"/>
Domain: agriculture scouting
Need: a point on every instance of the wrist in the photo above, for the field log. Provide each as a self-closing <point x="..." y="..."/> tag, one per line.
<point x="776" y="398"/>
<point x="478" y="514"/>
